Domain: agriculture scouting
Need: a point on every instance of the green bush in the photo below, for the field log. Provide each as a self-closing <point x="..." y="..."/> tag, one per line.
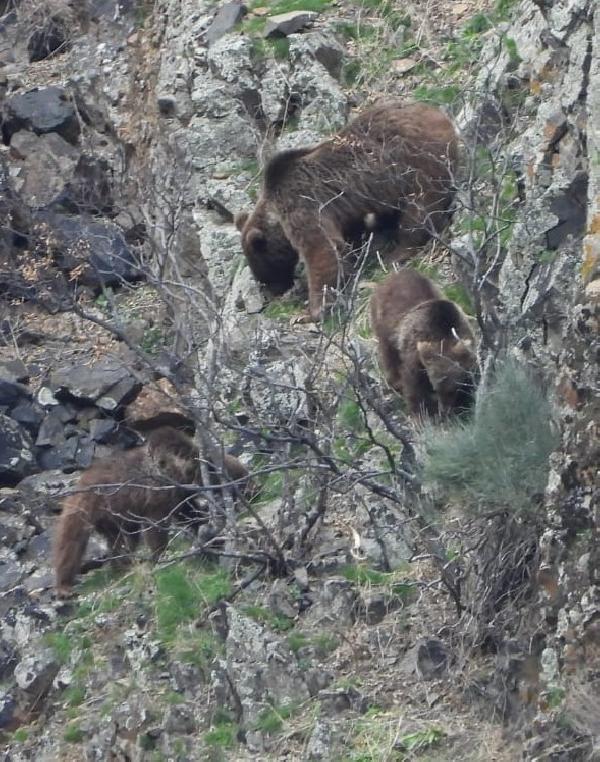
<point x="499" y="457"/>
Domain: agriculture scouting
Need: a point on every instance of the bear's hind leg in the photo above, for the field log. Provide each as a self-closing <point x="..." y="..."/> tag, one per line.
<point x="390" y="361"/>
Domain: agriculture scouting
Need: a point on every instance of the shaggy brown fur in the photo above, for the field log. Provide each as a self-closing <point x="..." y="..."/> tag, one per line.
<point x="425" y="343"/>
<point x="132" y="494"/>
<point x="393" y="165"/>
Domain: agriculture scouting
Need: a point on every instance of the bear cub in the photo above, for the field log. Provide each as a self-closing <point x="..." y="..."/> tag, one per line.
<point x="134" y="494"/>
<point x="426" y="345"/>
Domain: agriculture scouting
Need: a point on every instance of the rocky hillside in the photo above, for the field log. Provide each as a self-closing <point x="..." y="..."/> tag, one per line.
<point x="390" y="590"/>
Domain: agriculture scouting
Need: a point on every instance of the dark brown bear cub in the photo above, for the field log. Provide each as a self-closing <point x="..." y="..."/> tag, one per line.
<point x="130" y="495"/>
<point x="393" y="166"/>
<point x="426" y="345"/>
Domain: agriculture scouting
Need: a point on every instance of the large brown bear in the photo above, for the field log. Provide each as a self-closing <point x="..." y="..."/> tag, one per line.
<point x="136" y="493"/>
<point x="393" y="165"/>
<point x="426" y="345"/>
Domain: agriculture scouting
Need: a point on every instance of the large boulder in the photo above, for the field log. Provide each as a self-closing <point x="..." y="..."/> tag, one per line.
<point x="228" y="15"/>
<point x="46" y="164"/>
<point x="41" y="110"/>
<point x="108" y="384"/>
<point x="94" y="253"/>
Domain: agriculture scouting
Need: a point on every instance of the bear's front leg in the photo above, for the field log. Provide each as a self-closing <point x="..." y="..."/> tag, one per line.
<point x="324" y="271"/>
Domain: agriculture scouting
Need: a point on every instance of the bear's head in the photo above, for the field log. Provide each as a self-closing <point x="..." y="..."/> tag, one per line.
<point x="270" y="255"/>
<point x="450" y="366"/>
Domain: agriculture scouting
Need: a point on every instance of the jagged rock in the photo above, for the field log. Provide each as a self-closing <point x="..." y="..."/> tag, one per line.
<point x="230" y="59"/>
<point x="11" y="574"/>
<point x="34" y="673"/>
<point x="49" y="35"/>
<point x="427" y="659"/>
<point x="274" y="93"/>
<point x="74" y="452"/>
<point x="319" y="746"/>
<point x="338" y="700"/>
<point x="213" y="99"/>
<point x="29" y="414"/>
<point x="108" y="384"/>
<point x="16" y="455"/>
<point x="46" y="485"/>
<point x="241" y="311"/>
<point x="288" y="23"/>
<point x="321" y="46"/>
<point x="51" y="432"/>
<point x="41" y="110"/>
<point x="224" y="21"/>
<point x="277" y="680"/>
<point x="96" y="250"/>
<point x="103" y="430"/>
<point x="321" y="103"/>
<point x="221" y="251"/>
<point x="334" y="606"/>
<point x="210" y="140"/>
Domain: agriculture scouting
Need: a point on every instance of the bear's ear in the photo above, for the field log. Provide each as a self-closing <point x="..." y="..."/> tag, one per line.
<point x="255" y="239"/>
<point x="240" y="219"/>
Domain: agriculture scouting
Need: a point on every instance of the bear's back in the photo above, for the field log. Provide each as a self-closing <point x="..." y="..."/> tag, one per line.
<point x="397" y="295"/>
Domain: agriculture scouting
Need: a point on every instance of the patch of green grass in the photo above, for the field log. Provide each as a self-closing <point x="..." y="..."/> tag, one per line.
<point x="393" y="583"/>
<point x="439" y="95"/>
<point x="513" y="52"/>
<point x="422" y="739"/>
<point x="285" y="6"/>
<point x="282" y="309"/>
<point x="270" y="721"/>
<point x="360" y="31"/>
<point x="253" y="26"/>
<point x="271" y="487"/>
<point x="362" y="575"/>
<point x="503" y="9"/>
<point x="99" y="579"/>
<point x="296" y="641"/>
<point x="173" y="698"/>
<point x="351" y="415"/>
<point x="222" y="735"/>
<point x="276" y="622"/>
<point x="348" y="449"/>
<point x="152" y="340"/>
<point x="273" y="47"/>
<point x="555" y="697"/>
<point x="545" y="256"/>
<point x="146" y="742"/>
<point x="183" y="591"/>
<point x="20" y="735"/>
<point x="499" y="457"/>
<point x="325" y="643"/>
<point x="73" y="733"/>
<point x="61" y="644"/>
<point x="457" y="293"/>
<point x="74" y="695"/>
